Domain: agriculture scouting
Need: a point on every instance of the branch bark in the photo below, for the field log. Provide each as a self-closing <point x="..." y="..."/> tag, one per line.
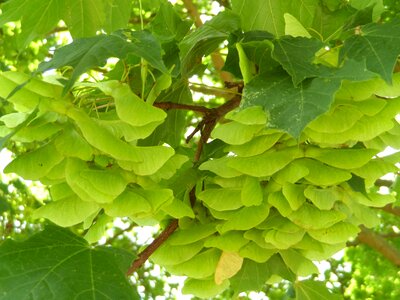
<point x="392" y="210"/>
<point x="378" y="243"/>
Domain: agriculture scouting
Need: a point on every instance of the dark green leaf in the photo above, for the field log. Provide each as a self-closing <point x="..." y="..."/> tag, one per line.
<point x="118" y="13"/>
<point x="251" y="276"/>
<point x="379" y="44"/>
<point x="206" y="39"/>
<point x="296" y="55"/>
<point x="86" y="53"/>
<point x="290" y="108"/>
<point x="56" y="264"/>
<point x="313" y="290"/>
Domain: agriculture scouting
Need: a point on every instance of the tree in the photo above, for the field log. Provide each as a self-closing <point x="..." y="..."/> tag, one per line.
<point x="275" y="165"/>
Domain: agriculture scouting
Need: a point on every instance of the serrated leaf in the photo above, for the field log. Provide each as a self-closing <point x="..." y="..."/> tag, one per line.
<point x="58" y="253"/>
<point x="338" y="233"/>
<point x="290" y="108"/>
<point x="313" y="290"/>
<point x="378" y="44"/>
<point x="203" y="288"/>
<point x="201" y="266"/>
<point x="37" y="17"/>
<point x="85" y="53"/>
<point x="206" y="39"/>
<point x="229" y="265"/>
<point x="296" y="55"/>
<point x="309" y="217"/>
<point x="36" y="164"/>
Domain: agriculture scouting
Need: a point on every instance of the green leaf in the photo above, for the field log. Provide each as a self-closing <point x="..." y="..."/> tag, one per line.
<point x="256" y="253"/>
<point x="88" y="272"/>
<point x="194" y="233"/>
<point x="300" y="265"/>
<point x="70" y="143"/>
<point x="264" y="164"/>
<point x="378" y="44"/>
<point x="246" y="218"/>
<point x="290" y="108"/>
<point x="251" y="193"/>
<point x="296" y="55"/>
<point x="221" y="199"/>
<point x="117" y="16"/>
<point x="228" y="265"/>
<point x="201" y="266"/>
<point x="235" y="133"/>
<point x="37" y="17"/>
<point x="178" y="209"/>
<point x="220" y="167"/>
<point x="294" y="193"/>
<point x="313" y="290"/>
<point x="335" y="234"/>
<point x="321" y="219"/>
<point x="85" y="53"/>
<point x="127" y="204"/>
<point x="204" y="288"/>
<point x="206" y="39"/>
<point x="294" y="28"/>
<point x="324" y="199"/>
<point x="169" y="254"/>
<point x="257" y="145"/>
<point x="67" y="211"/>
<point x="36" y="164"/>
<point x="130" y="108"/>
<point x="251" y="277"/>
<point x="231" y="241"/>
<point x="85" y="18"/>
<point x="167" y="25"/>
<point x="98" y="229"/>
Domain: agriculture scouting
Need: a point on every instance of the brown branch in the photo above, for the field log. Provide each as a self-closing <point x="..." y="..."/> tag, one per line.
<point x="392" y="210"/>
<point x="145" y="254"/>
<point x="383" y="182"/>
<point x="378" y="243"/>
<point x="216" y="57"/>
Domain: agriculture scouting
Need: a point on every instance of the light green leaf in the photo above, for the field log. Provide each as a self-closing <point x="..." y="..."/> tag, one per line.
<point x="58" y="253"/>
<point x="127" y="204"/>
<point x="309" y="217"/>
<point x="98" y="229"/>
<point x="194" y="233"/>
<point x="170" y="167"/>
<point x="342" y="158"/>
<point x="294" y="193"/>
<point x="265" y="164"/>
<point x="300" y="265"/>
<point x="178" y="209"/>
<point x="321" y="174"/>
<point x="130" y="108"/>
<point x="247" y="67"/>
<point x="220" y="167"/>
<point x="231" y="241"/>
<point x="251" y="193"/>
<point x="67" y="211"/>
<point x="294" y="28"/>
<point x="278" y="200"/>
<point x="168" y="254"/>
<point x="335" y="234"/>
<point x="36" y="164"/>
<point x="291" y="173"/>
<point x="221" y="199"/>
<point x="235" y="133"/>
<point x="204" y="288"/>
<point x="256" y="253"/>
<point x="201" y="266"/>
<point x="245" y="218"/>
<point x="257" y="145"/>
<point x="70" y="143"/>
<point x="323" y="198"/>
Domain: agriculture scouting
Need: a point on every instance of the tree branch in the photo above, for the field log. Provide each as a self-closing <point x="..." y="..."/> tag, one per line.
<point x="210" y="119"/>
<point x="392" y="210"/>
<point x="378" y="243"/>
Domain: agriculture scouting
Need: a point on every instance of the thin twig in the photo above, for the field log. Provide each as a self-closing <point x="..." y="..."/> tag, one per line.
<point x="171" y="105"/>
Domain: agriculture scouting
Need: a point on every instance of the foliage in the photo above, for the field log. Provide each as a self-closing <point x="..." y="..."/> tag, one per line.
<point x="279" y="171"/>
